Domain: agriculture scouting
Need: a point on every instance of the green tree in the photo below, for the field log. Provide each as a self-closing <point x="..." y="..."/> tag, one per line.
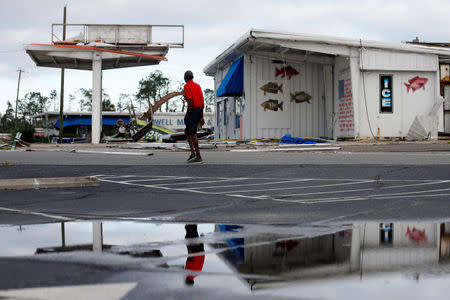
<point x="53" y="97"/>
<point x="152" y="87"/>
<point x="209" y="100"/>
<point x="85" y="100"/>
<point x="33" y="103"/>
<point x="124" y="101"/>
<point x="7" y="119"/>
<point x="108" y="106"/>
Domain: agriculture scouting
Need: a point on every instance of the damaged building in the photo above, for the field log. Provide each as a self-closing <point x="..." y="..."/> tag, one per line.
<point x="269" y="84"/>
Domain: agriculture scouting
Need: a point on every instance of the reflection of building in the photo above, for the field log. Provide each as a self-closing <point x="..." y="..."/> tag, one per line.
<point x="367" y="248"/>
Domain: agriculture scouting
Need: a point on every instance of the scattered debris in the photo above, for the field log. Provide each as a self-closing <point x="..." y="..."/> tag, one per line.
<point x="7" y="163"/>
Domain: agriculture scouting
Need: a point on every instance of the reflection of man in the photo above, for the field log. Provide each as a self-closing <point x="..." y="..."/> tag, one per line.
<point x="194" y="115"/>
<point x="193" y="263"/>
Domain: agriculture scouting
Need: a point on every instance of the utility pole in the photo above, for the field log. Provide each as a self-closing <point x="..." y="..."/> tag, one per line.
<point x="61" y="102"/>
<point x="17" y="96"/>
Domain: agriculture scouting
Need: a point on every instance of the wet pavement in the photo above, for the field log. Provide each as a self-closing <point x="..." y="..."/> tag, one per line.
<point x="243" y="226"/>
<point x="137" y="259"/>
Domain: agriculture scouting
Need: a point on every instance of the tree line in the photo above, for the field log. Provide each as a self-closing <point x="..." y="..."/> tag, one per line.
<point x="150" y="89"/>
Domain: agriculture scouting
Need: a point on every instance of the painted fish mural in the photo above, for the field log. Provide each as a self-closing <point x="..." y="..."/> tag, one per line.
<point x="272" y="87"/>
<point x="416" y="83"/>
<point x="272" y="105"/>
<point x="300" y="97"/>
<point x="286" y="71"/>
<point x="418" y="236"/>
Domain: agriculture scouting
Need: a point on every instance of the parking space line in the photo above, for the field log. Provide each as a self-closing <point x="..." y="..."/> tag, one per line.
<point x="378" y="198"/>
<point x="251" y="184"/>
<point x="28" y="212"/>
<point x="367" y="189"/>
<point x="157" y="187"/>
<point x="280" y="198"/>
<point x="352" y="198"/>
<point x="158" y="179"/>
<point x="201" y="182"/>
<point x="303" y="187"/>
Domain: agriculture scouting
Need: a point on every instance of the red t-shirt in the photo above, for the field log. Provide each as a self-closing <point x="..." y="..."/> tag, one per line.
<point x="193" y="91"/>
<point x="194" y="263"/>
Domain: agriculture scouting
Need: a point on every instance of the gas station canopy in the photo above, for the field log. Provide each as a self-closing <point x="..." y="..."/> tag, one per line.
<point x="120" y="46"/>
<point x="80" y="57"/>
<point x="99" y="47"/>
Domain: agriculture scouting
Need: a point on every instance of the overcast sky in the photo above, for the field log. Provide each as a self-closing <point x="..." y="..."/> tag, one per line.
<point x="210" y="27"/>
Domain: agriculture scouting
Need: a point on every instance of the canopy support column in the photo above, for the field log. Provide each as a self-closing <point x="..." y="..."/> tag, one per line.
<point x="96" y="98"/>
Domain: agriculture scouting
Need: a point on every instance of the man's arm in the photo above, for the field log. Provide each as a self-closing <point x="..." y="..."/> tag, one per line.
<point x="190" y="103"/>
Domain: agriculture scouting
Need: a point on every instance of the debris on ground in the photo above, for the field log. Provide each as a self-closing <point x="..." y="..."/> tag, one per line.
<point x="288" y="139"/>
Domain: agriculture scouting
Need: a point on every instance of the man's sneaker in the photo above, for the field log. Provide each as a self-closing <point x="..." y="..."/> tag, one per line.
<point x="191" y="156"/>
<point x="195" y="160"/>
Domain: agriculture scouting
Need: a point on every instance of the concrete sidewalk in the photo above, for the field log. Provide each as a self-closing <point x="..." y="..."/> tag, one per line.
<point x="363" y="146"/>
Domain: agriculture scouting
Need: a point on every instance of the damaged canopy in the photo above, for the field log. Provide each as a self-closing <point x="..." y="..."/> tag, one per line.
<point x="233" y="83"/>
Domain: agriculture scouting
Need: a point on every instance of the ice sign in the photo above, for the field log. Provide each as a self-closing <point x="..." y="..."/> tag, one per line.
<point x="386" y="95"/>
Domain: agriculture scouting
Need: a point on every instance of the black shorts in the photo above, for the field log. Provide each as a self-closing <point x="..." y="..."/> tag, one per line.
<point x="191" y="120"/>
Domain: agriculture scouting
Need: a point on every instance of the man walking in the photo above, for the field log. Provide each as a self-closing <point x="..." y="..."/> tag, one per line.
<point x="194" y="115"/>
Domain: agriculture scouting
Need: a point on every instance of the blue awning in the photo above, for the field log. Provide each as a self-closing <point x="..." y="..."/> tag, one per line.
<point x="233" y="83"/>
<point x="86" y="121"/>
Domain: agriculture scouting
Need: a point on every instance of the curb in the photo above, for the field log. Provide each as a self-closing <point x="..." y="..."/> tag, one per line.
<point x="47" y="183"/>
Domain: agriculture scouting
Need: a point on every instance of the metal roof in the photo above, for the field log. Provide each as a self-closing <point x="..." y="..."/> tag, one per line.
<point x="273" y="44"/>
<point x="119" y="46"/>
<point x="80" y="57"/>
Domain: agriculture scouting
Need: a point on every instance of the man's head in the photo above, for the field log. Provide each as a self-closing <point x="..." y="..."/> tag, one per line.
<point x="188" y="76"/>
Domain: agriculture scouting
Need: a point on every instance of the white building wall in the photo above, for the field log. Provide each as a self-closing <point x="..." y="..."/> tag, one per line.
<point x="406" y="105"/>
<point x="382" y="60"/>
<point x="322" y="117"/>
<point x="298" y="119"/>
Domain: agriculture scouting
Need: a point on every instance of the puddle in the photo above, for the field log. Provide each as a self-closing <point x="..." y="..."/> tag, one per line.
<point x="370" y="259"/>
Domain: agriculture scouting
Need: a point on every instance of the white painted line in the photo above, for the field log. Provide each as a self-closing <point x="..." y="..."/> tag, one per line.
<point x="27" y="212"/>
<point x="246" y="196"/>
<point x="118" y="176"/>
<point x="287" y="149"/>
<point x="303" y="187"/>
<point x="304" y="201"/>
<point x="157" y="187"/>
<point x="352" y="198"/>
<point x="200" y="182"/>
<point x="251" y="184"/>
<point x="113" y="152"/>
<point x="368" y="189"/>
<point x="274" y="178"/>
<point x="390" y="197"/>
<point x="159" y="179"/>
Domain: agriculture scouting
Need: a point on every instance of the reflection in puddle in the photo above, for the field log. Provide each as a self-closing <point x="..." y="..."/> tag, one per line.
<point x="261" y="259"/>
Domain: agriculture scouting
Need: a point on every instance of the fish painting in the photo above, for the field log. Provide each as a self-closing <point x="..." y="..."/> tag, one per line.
<point x="416" y="83"/>
<point x="300" y="97"/>
<point x="272" y="87"/>
<point x="272" y="105"/>
<point x="418" y="236"/>
<point x="286" y="71"/>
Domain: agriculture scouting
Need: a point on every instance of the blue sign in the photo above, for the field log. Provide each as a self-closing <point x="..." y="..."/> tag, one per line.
<point x="386" y="94"/>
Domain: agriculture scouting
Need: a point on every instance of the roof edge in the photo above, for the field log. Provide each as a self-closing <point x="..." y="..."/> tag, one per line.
<point x="322" y="39"/>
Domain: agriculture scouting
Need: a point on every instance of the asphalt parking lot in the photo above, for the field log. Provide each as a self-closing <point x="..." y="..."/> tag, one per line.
<point x="291" y="190"/>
